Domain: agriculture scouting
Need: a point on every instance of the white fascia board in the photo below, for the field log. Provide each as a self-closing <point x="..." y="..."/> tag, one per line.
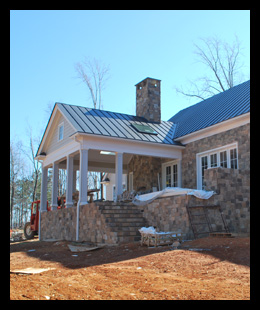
<point x="215" y="129"/>
<point x="129" y="146"/>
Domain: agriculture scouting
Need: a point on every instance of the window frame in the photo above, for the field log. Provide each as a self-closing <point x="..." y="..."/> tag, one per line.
<point x="61" y="125"/>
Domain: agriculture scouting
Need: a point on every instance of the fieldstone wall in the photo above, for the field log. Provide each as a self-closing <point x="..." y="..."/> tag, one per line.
<point x="169" y="214"/>
<point x="145" y="171"/>
<point x="233" y="188"/>
<point x="241" y="135"/>
<point x="148" y="100"/>
<point x="61" y="225"/>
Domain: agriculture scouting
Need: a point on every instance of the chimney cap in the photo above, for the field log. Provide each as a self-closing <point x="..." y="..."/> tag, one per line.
<point x="147" y="79"/>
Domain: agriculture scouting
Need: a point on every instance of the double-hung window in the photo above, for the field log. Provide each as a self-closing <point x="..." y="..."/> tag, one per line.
<point x="225" y="157"/>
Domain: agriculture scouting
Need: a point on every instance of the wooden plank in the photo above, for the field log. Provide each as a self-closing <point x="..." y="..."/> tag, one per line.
<point x="221" y="235"/>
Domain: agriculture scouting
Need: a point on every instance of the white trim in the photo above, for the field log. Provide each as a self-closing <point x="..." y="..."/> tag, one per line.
<point x="207" y="153"/>
<point x="215" y="129"/>
<point x="119" y="145"/>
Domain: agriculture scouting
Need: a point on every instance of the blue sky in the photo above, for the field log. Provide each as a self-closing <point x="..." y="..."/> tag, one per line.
<point x="45" y="45"/>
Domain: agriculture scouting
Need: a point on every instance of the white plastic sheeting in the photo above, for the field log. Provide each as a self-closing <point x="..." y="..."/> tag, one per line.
<point x="141" y="200"/>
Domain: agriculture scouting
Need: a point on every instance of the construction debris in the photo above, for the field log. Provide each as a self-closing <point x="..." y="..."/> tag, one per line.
<point x="83" y="247"/>
<point x="30" y="270"/>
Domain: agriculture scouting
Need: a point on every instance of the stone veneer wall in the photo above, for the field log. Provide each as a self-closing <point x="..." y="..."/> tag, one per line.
<point x="233" y="188"/>
<point x="148" y="99"/>
<point x="145" y="171"/>
<point x="169" y="214"/>
<point x="166" y="214"/>
<point x="61" y="225"/>
<point x="240" y="134"/>
<point x="233" y="196"/>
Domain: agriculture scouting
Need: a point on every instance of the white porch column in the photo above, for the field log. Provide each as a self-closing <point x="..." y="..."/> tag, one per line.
<point x="74" y="179"/>
<point x="43" y="205"/>
<point x="44" y="189"/>
<point x="83" y="177"/>
<point x="55" y="179"/>
<point x="119" y="173"/>
<point x="69" y="183"/>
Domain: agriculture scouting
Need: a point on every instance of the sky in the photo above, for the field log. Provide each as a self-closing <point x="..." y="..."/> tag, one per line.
<point x="45" y="45"/>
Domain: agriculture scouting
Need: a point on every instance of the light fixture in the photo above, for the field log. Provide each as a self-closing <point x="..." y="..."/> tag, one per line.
<point x="107" y="153"/>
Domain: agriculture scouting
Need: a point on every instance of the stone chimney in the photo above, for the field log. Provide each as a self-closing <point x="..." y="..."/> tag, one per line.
<point x="148" y="99"/>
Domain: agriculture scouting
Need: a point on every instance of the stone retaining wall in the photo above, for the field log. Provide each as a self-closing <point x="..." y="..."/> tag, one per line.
<point x="61" y="224"/>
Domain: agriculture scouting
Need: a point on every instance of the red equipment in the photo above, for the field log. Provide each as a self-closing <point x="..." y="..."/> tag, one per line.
<point x="31" y="228"/>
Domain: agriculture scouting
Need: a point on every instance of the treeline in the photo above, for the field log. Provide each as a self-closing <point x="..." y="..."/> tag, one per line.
<point x="25" y="180"/>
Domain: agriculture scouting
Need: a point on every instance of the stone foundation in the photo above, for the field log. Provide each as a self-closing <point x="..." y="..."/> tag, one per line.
<point x="113" y="223"/>
<point x="61" y="225"/>
<point x="102" y="222"/>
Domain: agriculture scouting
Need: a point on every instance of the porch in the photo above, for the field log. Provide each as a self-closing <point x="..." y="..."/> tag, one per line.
<point x="94" y="153"/>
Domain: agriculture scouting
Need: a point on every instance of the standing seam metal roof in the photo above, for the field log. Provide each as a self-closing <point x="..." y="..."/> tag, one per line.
<point x="221" y="107"/>
<point x="112" y="124"/>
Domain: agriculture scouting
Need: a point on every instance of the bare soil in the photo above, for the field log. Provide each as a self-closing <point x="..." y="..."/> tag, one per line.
<point x="203" y="269"/>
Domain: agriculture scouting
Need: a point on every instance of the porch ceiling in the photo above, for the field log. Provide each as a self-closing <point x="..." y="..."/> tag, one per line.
<point x="99" y="162"/>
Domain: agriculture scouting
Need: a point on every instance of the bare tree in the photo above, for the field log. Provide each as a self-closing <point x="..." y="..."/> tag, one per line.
<point x="223" y="61"/>
<point x="15" y="166"/>
<point x="94" y="74"/>
<point x="30" y="153"/>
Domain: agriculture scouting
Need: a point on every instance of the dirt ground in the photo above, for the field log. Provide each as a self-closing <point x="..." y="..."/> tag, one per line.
<point x="203" y="269"/>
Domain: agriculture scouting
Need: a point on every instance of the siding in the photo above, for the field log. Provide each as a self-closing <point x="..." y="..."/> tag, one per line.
<point x="52" y="144"/>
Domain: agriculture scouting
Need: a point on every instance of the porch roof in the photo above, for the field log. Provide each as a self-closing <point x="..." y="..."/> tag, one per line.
<point x="116" y="125"/>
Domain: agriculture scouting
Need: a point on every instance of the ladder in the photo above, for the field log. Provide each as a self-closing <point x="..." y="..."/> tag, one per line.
<point x="201" y="213"/>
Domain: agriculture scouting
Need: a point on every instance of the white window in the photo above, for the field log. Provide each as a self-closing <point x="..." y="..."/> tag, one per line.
<point x="60" y="131"/>
<point x="225" y="157"/>
<point x="171" y="174"/>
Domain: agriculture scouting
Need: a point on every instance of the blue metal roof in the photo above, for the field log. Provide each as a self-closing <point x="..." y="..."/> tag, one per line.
<point x="118" y="125"/>
<point x="221" y="107"/>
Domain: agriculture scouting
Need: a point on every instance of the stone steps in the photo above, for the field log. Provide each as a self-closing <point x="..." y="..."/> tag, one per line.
<point x="124" y="220"/>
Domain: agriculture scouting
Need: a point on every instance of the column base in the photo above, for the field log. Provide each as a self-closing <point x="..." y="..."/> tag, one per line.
<point x="54" y="207"/>
<point x="83" y="203"/>
<point x="69" y="204"/>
